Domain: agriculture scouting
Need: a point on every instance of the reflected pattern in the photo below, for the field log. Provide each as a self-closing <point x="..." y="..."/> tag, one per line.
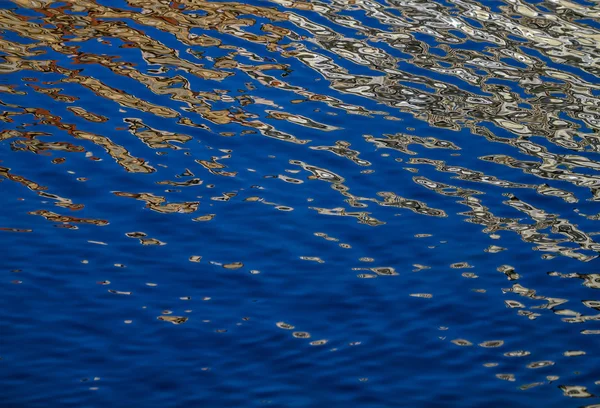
<point x="394" y="181"/>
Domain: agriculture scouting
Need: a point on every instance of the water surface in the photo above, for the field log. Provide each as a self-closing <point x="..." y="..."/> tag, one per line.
<point x="343" y="203"/>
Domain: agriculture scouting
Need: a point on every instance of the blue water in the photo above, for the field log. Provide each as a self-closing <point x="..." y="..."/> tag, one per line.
<point x="207" y="221"/>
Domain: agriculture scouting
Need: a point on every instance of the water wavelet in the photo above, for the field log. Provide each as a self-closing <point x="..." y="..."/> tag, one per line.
<point x="453" y="143"/>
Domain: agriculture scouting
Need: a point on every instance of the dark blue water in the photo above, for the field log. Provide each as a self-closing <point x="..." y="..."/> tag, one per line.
<point x="350" y="203"/>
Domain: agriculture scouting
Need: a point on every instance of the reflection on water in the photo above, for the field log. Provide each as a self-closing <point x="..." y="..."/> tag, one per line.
<point x="184" y="153"/>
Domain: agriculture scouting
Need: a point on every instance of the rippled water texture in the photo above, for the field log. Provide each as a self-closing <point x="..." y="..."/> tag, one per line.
<point x="348" y="203"/>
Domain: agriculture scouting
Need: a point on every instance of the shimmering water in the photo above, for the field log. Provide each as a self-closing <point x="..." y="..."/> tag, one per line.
<point x="347" y="203"/>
